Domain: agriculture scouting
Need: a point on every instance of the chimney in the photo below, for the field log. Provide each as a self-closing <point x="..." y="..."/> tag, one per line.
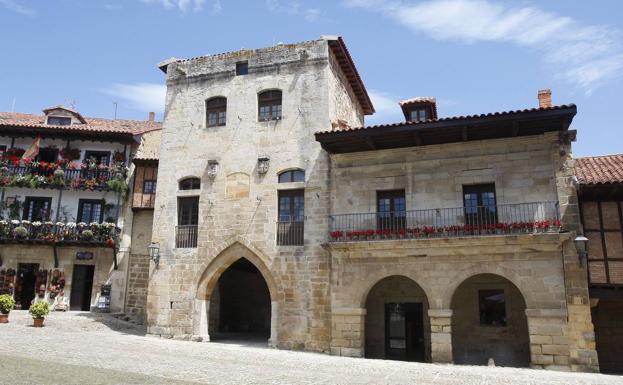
<point x="152" y="116"/>
<point x="545" y="98"/>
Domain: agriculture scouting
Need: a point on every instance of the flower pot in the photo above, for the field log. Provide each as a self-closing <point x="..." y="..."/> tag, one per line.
<point x="4" y="318"/>
<point x="38" y="322"/>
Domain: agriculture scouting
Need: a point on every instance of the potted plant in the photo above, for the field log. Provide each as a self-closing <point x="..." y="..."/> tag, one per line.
<point x="38" y="311"/>
<point x="20" y="232"/>
<point x="7" y="303"/>
<point x="87" y="235"/>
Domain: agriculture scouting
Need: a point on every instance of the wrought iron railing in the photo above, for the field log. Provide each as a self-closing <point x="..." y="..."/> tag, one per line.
<point x="69" y="174"/>
<point x="186" y="236"/>
<point x="447" y="222"/>
<point x="290" y="232"/>
<point x="16" y="231"/>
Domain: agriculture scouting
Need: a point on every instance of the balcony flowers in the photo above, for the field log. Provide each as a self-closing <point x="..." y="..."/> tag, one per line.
<point x="87" y="235"/>
<point x="20" y="232"/>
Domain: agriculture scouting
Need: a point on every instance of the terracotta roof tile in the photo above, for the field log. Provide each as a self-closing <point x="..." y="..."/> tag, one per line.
<point x="26" y="121"/>
<point x="605" y="169"/>
<point x="450" y="118"/>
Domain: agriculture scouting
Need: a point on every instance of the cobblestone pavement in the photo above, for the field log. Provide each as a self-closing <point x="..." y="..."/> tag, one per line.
<point x="86" y="348"/>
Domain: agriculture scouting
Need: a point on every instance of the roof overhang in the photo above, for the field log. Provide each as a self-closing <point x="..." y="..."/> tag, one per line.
<point x="347" y="65"/>
<point x="450" y="130"/>
<point x="66" y="134"/>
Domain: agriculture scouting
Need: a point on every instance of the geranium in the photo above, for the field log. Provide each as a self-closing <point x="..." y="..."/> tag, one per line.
<point x="60" y="224"/>
<point x="37" y="224"/>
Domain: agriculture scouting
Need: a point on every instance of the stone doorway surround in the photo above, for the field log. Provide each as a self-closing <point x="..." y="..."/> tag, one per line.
<point x="209" y="281"/>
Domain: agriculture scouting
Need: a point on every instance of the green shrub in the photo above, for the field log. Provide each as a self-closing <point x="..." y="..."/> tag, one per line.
<point x="39" y="310"/>
<point x="6" y="303"/>
<point x="87" y="235"/>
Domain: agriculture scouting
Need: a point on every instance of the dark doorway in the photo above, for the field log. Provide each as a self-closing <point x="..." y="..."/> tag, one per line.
<point x="404" y="332"/>
<point x="81" y="286"/>
<point x="26" y="280"/>
<point x="240" y="306"/>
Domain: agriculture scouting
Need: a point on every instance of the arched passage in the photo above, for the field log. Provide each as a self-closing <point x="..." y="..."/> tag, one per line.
<point x="489" y="321"/>
<point x="396" y="325"/>
<point x="240" y="305"/>
<point x="237" y="297"/>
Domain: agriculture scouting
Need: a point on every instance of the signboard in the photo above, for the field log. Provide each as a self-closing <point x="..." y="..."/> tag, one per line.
<point x="84" y="255"/>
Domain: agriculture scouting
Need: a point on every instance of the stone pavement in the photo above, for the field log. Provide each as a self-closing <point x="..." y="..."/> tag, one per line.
<point x="87" y="348"/>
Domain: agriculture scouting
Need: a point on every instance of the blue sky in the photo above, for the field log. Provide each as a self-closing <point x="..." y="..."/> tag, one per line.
<point x="475" y="56"/>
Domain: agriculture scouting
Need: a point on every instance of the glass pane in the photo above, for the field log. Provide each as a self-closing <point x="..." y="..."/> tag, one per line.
<point x="299" y="208"/>
<point x="298" y="176"/>
<point x="284" y="208"/>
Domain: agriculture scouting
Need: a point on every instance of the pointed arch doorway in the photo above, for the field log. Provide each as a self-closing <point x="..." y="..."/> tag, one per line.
<point x="236" y="299"/>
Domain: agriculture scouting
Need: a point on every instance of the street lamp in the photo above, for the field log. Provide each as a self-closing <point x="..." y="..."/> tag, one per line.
<point x="580" y="245"/>
<point x="154" y="252"/>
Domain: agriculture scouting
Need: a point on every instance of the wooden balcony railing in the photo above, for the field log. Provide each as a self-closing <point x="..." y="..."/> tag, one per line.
<point x="447" y="222"/>
<point x="104" y="178"/>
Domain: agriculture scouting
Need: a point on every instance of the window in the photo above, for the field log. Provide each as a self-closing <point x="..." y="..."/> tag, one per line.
<point x="59" y="120"/>
<point x="99" y="157"/>
<point x="419" y="114"/>
<point x="292" y="176"/>
<point x="269" y="103"/>
<point x="37" y="209"/>
<point x="90" y="210"/>
<point x="187" y="221"/>
<point x="492" y="305"/>
<point x="242" y="68"/>
<point x="391" y="209"/>
<point x="149" y="186"/>
<point x="291" y="214"/>
<point x="216" y="111"/>
<point x="480" y="205"/>
<point x="190" y="184"/>
<point x="49" y="155"/>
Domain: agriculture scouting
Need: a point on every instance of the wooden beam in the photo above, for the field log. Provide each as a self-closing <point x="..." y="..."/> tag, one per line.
<point x="370" y="143"/>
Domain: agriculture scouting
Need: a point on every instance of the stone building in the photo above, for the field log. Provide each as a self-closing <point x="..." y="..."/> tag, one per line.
<point x="600" y="180"/>
<point x="280" y="215"/>
<point x="63" y="178"/>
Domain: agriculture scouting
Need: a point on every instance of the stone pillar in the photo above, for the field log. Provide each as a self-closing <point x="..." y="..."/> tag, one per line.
<point x="549" y="344"/>
<point x="201" y="320"/>
<point x="348" y="332"/>
<point x="273" y="341"/>
<point x="440" y="335"/>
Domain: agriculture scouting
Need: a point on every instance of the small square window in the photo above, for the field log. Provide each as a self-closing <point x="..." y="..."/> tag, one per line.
<point x="242" y="68"/>
<point x="492" y="305"/>
<point x="149" y="187"/>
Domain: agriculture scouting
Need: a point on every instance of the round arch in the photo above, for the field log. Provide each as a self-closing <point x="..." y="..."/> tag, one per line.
<point x="489" y="322"/>
<point x="396" y="322"/>
<point x="501" y="271"/>
<point x="208" y="280"/>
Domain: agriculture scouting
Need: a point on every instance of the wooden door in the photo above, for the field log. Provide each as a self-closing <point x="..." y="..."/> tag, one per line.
<point x="81" y="287"/>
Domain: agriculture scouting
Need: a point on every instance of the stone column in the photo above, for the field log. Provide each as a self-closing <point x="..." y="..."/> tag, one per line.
<point x="201" y="320"/>
<point x="440" y="335"/>
<point x="273" y="341"/>
<point x="549" y="344"/>
<point x="348" y="332"/>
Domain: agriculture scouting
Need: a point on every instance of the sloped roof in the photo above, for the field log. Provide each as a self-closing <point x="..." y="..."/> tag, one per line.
<point x="19" y="121"/>
<point x="599" y="170"/>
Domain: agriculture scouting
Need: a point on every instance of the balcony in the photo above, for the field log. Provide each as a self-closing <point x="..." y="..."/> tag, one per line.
<point x="186" y="236"/>
<point x="521" y="218"/>
<point x="60" y="175"/>
<point x="290" y="232"/>
<point x="99" y="234"/>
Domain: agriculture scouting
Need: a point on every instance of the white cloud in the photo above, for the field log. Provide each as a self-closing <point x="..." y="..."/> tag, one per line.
<point x="294" y="8"/>
<point x="140" y="96"/>
<point x="182" y="5"/>
<point x="386" y="107"/>
<point x="585" y="55"/>
<point x="17" y="7"/>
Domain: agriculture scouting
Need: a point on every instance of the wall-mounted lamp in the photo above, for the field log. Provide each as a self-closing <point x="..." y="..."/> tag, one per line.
<point x="212" y="168"/>
<point x="580" y="245"/>
<point x="154" y="252"/>
<point x="263" y="163"/>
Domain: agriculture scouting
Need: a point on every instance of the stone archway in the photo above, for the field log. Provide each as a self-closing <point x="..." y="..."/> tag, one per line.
<point x="396" y="321"/>
<point x="489" y="322"/>
<point x="234" y="262"/>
